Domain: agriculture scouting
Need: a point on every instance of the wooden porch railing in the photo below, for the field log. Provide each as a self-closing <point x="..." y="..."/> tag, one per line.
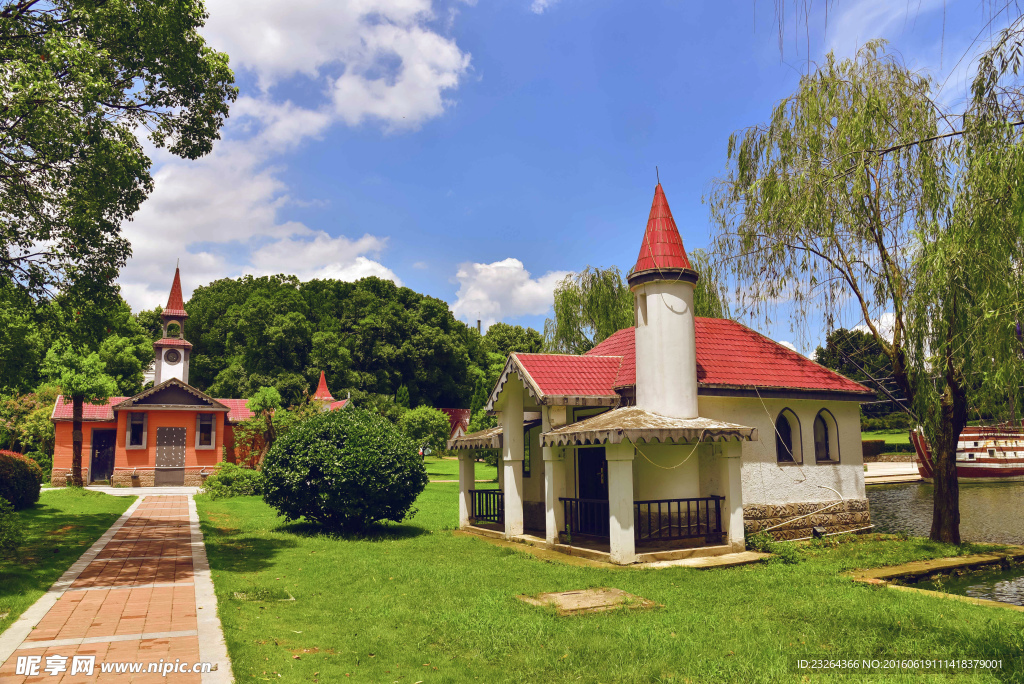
<point x="488" y="505"/>
<point x="668" y="519"/>
<point x="653" y="520"/>
<point x="588" y="517"/>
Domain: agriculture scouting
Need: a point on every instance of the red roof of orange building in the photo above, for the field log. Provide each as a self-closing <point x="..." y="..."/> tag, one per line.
<point x="175" y="304"/>
<point x="732" y="355"/>
<point x="64" y="410"/>
<point x="322" y="393"/>
<point x="662" y="247"/>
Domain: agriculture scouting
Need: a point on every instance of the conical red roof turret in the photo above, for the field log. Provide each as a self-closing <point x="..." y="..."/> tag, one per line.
<point x="322" y="393"/>
<point x="662" y="248"/>
<point x="175" y="304"/>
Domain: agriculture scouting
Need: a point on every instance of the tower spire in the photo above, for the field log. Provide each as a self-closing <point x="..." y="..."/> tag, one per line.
<point x="662" y="247"/>
<point x="175" y="303"/>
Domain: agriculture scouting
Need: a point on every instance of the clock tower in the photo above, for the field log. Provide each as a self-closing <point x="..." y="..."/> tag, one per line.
<point x="171" y="353"/>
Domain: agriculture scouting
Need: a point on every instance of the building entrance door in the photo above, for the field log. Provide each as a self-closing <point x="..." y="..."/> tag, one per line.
<point x="170" y="456"/>
<point x="592" y="474"/>
<point x="101" y="466"/>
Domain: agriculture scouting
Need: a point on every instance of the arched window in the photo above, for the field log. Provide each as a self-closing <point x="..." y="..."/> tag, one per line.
<point x="826" y="437"/>
<point x="787" y="437"/>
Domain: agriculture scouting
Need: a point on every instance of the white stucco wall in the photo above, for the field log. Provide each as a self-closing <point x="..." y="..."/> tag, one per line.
<point x="682" y="481"/>
<point x="533" y="486"/>
<point x="765" y="480"/>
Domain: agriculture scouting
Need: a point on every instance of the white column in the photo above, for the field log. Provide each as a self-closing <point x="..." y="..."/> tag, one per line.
<point x="730" y="462"/>
<point x="620" y="502"/>
<point x="554" y="483"/>
<point x="467" y="477"/>
<point x="512" y="456"/>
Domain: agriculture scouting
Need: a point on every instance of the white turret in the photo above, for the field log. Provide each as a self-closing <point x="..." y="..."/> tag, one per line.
<point x="666" y="347"/>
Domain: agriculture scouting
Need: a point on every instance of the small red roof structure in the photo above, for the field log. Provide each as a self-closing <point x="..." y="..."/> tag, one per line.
<point x="457" y="418"/>
<point x="175" y="304"/>
<point x="322" y="393"/>
<point x="63" y="410"/>
<point x="662" y="247"/>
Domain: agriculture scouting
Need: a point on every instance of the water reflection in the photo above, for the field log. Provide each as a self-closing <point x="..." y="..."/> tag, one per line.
<point x="995" y="585"/>
<point x="988" y="512"/>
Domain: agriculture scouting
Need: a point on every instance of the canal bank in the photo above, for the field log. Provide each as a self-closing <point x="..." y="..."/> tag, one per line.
<point x="989" y="512"/>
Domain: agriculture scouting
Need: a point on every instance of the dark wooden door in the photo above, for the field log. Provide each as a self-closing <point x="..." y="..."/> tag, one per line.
<point x="170" y="456"/>
<point x="102" y="465"/>
<point x="592" y="475"/>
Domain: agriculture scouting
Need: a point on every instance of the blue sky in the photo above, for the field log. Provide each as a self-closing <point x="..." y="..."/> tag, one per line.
<point x="478" y="151"/>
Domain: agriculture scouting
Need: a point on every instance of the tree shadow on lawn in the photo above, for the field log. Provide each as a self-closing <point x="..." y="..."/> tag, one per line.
<point x="377" y="532"/>
<point x="248" y="554"/>
<point x="53" y="541"/>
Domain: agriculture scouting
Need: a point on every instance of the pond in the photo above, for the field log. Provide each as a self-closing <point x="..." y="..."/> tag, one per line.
<point x="993" y="584"/>
<point x="988" y="512"/>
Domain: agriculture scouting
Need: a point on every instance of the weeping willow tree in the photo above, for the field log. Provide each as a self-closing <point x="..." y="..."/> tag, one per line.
<point x="819" y="207"/>
<point x="595" y="303"/>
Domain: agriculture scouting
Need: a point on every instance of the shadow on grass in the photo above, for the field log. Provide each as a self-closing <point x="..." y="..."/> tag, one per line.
<point x="375" y="533"/>
<point x="53" y="541"/>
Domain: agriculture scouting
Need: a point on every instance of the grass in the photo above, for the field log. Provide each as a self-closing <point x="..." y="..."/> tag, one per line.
<point x="448" y="469"/>
<point x="58" y="529"/>
<point x="416" y="603"/>
<point x="890" y="436"/>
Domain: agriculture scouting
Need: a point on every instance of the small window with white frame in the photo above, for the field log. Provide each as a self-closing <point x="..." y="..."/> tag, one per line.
<point x="136" y="437"/>
<point x="787" y="437"/>
<point x="206" y="431"/>
<point x="826" y="437"/>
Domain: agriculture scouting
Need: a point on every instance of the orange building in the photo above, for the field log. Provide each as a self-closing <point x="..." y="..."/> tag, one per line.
<point x="171" y="434"/>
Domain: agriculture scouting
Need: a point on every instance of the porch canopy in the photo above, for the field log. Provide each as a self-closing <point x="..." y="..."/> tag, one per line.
<point x="484" y="439"/>
<point x="639" y="425"/>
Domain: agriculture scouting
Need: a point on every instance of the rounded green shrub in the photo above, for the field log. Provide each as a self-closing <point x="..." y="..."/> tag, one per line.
<point x="20" y="479"/>
<point x="233" y="480"/>
<point x="344" y="470"/>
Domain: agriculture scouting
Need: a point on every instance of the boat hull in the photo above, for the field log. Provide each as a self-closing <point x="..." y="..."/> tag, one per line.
<point x="984" y="454"/>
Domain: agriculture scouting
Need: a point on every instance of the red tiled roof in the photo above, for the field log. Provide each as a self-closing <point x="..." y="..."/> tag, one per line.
<point x="662" y="246"/>
<point x="457" y="417"/>
<point x="563" y="375"/>
<point x="321" y="390"/>
<point x="237" y="410"/>
<point x="733" y="355"/>
<point x="338" y="404"/>
<point x="175" y="305"/>
<point x="172" y="342"/>
<point x="64" y="411"/>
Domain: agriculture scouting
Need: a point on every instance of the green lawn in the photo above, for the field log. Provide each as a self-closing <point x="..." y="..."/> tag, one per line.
<point x="448" y="469"/>
<point x="418" y="603"/>
<point x="58" y="530"/>
<point x="890" y="436"/>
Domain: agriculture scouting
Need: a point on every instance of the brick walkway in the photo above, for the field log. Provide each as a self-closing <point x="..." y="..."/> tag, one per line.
<point x="131" y="599"/>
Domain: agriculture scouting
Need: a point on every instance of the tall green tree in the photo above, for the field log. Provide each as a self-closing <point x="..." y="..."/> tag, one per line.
<point x="80" y="375"/>
<point x="80" y="78"/>
<point x="503" y="339"/>
<point x="595" y="303"/>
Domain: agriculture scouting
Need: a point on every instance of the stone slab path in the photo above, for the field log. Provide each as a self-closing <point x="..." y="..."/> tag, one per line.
<point x="141" y="594"/>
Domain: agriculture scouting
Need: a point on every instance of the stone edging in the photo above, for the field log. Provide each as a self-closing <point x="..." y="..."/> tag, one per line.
<point x="884" y="576"/>
<point x="212" y="647"/>
<point x="14" y="635"/>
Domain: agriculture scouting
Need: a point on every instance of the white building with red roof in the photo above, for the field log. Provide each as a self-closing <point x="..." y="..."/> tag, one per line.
<point x="170" y="434"/>
<point x="669" y="439"/>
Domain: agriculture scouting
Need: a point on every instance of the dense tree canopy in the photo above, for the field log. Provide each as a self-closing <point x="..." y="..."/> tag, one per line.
<point x="80" y="79"/>
<point x="370" y="335"/>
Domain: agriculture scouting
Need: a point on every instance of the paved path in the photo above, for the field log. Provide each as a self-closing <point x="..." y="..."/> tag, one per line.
<point x="141" y="594"/>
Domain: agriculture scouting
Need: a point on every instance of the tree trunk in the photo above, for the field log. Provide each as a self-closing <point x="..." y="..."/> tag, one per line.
<point x="953" y="418"/>
<point x="76" y="441"/>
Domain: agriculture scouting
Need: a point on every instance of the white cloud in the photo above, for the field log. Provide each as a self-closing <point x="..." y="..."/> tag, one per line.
<point x="421" y="265"/>
<point x="503" y="289"/>
<point x="864" y="20"/>
<point x="377" y="60"/>
<point x="788" y="345"/>
<point x="884" y="323"/>
<point x="541" y="6"/>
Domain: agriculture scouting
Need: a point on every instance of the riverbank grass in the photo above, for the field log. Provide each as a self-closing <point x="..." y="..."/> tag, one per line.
<point x="415" y="602"/>
<point x="890" y="436"/>
<point x="58" y="530"/>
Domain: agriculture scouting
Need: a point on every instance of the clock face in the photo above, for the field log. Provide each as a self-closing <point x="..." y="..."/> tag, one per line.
<point x="172" y="356"/>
